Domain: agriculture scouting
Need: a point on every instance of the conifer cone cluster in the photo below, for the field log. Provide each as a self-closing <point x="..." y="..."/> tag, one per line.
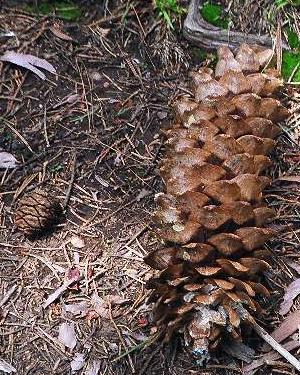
<point x="212" y="216"/>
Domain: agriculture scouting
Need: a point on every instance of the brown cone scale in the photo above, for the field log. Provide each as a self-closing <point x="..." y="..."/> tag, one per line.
<point x="212" y="217"/>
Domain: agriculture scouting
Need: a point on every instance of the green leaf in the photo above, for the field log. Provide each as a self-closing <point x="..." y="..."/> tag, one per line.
<point x="44" y="8"/>
<point x="283" y="3"/>
<point x="291" y="63"/>
<point x="213" y="14"/>
<point x="66" y="10"/>
<point x="293" y="38"/>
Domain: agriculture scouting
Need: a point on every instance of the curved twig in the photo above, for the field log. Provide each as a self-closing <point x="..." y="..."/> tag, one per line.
<point x="200" y="32"/>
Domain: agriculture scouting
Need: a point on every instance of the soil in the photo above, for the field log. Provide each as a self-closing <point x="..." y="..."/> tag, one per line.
<point x="90" y="135"/>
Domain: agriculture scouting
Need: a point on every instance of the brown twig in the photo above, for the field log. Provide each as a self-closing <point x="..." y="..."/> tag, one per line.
<point x="71" y="183"/>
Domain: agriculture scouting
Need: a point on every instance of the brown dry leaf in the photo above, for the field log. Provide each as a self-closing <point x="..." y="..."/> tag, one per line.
<point x="6" y="367"/>
<point x="239" y="350"/>
<point x="69" y="99"/>
<point x="77" y="242"/>
<point x="77" y="362"/>
<point x="7" y="160"/>
<point x="29" y="62"/>
<point x="114" y="299"/>
<point x="59" y="33"/>
<point x="101" y="306"/>
<point x="102" y="31"/>
<point x="294" y="265"/>
<point x="67" y="335"/>
<point x="292" y="291"/>
<point x="77" y="308"/>
<point x="93" y="368"/>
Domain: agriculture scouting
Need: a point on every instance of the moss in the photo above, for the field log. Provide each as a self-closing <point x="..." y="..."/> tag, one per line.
<point x="214" y="14"/>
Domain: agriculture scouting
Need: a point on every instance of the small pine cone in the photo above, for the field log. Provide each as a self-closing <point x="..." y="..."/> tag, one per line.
<point x="212" y="214"/>
<point x="37" y="212"/>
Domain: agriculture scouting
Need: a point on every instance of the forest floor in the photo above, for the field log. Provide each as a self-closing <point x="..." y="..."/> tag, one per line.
<point x="90" y="135"/>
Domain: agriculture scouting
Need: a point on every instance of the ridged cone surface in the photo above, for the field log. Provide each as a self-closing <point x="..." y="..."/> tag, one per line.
<point x="212" y="215"/>
<point x="36" y="212"/>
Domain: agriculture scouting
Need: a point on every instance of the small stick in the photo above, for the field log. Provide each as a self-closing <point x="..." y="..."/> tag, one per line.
<point x="45" y="127"/>
<point x="112" y="213"/>
<point x="121" y="339"/>
<point x="274" y="344"/>
<point x="10" y="125"/>
<point x="70" y="187"/>
<point x="8" y="295"/>
<point x="59" y="291"/>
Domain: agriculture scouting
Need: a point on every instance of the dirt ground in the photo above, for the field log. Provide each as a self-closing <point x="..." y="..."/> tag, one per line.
<point x="90" y="135"/>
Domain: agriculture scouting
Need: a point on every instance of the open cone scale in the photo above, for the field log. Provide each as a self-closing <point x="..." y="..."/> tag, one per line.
<point x="212" y="216"/>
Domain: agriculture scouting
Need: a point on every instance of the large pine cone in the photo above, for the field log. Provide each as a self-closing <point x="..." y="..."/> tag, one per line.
<point x="212" y="214"/>
<point x="37" y="212"/>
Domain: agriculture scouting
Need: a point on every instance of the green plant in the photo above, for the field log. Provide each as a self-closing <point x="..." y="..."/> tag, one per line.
<point x="168" y="10"/>
<point x="291" y="66"/>
<point x="56" y="168"/>
<point x="293" y="38"/>
<point x="213" y="13"/>
<point x="291" y="59"/>
<point x="283" y="3"/>
<point x="66" y="10"/>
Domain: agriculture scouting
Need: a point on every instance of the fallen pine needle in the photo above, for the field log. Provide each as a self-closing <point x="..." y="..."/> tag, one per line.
<point x="142" y="345"/>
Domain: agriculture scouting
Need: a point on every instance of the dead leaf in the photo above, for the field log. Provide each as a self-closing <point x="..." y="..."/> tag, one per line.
<point x="239" y="350"/>
<point x="103" y="32"/>
<point x="91" y="314"/>
<point x="77" y="362"/>
<point x="294" y="265"/>
<point x="70" y="99"/>
<point x="292" y="291"/>
<point x="6" y="367"/>
<point x="289" y="178"/>
<point x="29" y="62"/>
<point x="116" y="300"/>
<point x="7" y="33"/>
<point x="77" y="308"/>
<point x="77" y="242"/>
<point x="60" y="34"/>
<point x="289" y="325"/>
<point x="73" y="274"/>
<point x="67" y="335"/>
<point x="93" y="368"/>
<point x="100" y="306"/>
<point x="53" y="296"/>
<point x="7" y="160"/>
